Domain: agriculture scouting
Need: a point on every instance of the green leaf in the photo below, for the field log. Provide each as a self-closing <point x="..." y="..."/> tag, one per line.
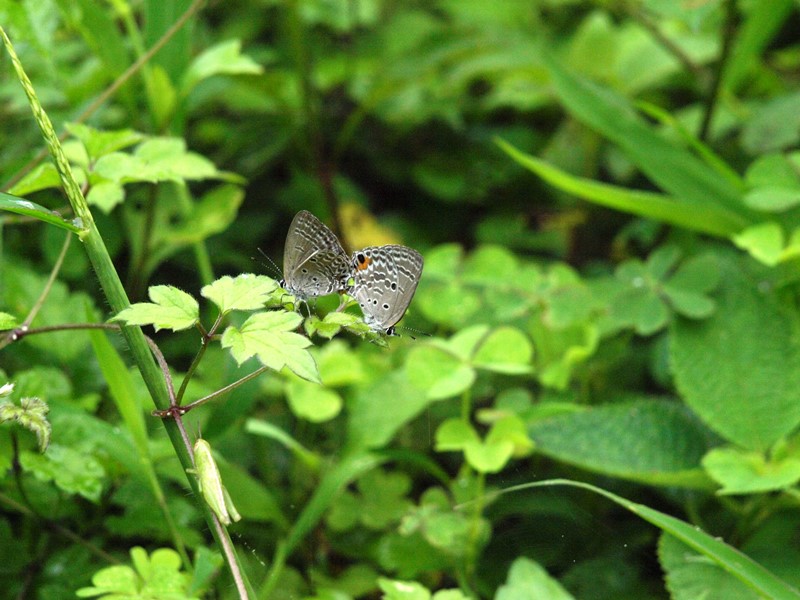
<point x="106" y="195"/>
<point x="8" y="321"/>
<point x="268" y="430"/>
<point x="455" y="434"/>
<point x="689" y="575"/>
<point x="403" y="590"/>
<point x="43" y="177"/>
<point x="527" y="580"/>
<point x="747" y="472"/>
<point x="72" y="471"/>
<point x="705" y="219"/>
<point x="693" y="183"/>
<point x="170" y="308"/>
<point x="24" y="207"/>
<point x="764" y="242"/>
<point x="437" y="372"/>
<point x="244" y="292"/>
<point x="154" y="576"/>
<point x="99" y="143"/>
<point x="271" y="338"/>
<point x="224" y="58"/>
<point x="380" y="408"/>
<point x="213" y="214"/>
<point x="655" y="442"/>
<point x="748" y="392"/>
<point x="505" y="350"/>
<point x="313" y="402"/>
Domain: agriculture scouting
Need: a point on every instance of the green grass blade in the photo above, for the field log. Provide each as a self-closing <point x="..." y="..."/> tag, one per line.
<point x="27" y="208"/>
<point x="728" y="558"/>
<point x="705" y="219"/>
<point x="672" y="168"/>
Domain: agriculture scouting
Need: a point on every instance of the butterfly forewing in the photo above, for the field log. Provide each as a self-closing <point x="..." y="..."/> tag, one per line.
<point x="384" y="281"/>
<point x="314" y="262"/>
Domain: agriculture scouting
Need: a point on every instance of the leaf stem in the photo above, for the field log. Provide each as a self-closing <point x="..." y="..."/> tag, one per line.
<point x="49" y="285"/>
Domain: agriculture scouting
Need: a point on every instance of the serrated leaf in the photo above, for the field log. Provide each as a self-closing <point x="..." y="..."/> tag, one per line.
<point x="313" y="402"/>
<point x="747" y="472"/>
<point x="99" y="143"/>
<point x="30" y="414"/>
<point x="72" y="471"/>
<point x="170" y="308"/>
<point x="243" y="292"/>
<point x="271" y="338"/>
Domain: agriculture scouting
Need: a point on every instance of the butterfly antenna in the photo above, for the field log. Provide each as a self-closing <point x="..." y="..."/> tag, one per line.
<point x="417" y="331"/>
<point x="271" y="263"/>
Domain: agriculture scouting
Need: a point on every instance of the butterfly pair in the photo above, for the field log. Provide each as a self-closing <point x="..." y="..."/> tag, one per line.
<point x="382" y="279"/>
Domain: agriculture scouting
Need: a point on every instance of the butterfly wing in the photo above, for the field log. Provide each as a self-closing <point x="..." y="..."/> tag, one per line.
<point x="384" y="281"/>
<point x="314" y="262"/>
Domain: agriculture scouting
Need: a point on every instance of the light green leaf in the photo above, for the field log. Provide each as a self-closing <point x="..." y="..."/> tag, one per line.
<point x="748" y="472"/>
<point x="455" y="434"/>
<point x="99" y="143"/>
<point x="772" y="198"/>
<point x="527" y="580"/>
<point x="403" y="590"/>
<point x="106" y="195"/>
<point x="313" y="402"/>
<point x="43" y="177"/>
<point x="223" y="58"/>
<point x="437" y="372"/>
<point x="8" y="321"/>
<point x="764" y="242"/>
<point x="271" y="338"/>
<point x="244" y="292"/>
<point x="505" y="350"/>
<point x="170" y="308"/>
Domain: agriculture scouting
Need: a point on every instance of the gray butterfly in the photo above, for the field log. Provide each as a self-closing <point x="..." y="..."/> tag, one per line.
<point x="314" y="262"/>
<point x="384" y="281"/>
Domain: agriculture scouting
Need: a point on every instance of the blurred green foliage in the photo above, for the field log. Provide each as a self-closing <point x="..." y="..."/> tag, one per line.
<point x="607" y="198"/>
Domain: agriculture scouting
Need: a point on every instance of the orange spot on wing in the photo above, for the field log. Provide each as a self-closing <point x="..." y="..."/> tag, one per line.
<point x="363" y="261"/>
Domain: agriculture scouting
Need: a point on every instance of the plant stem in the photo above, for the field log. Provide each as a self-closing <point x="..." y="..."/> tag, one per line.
<point x="728" y="34"/>
<point x="49" y="285"/>
<point x="118" y="301"/>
